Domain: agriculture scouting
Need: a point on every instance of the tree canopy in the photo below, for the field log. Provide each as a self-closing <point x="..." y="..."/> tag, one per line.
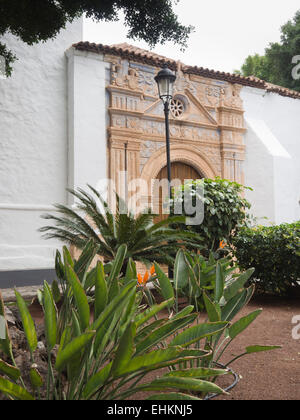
<point x="280" y="60"/>
<point x="34" y="21"/>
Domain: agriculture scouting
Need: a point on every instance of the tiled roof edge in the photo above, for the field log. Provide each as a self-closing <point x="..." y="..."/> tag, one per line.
<point x="152" y="59"/>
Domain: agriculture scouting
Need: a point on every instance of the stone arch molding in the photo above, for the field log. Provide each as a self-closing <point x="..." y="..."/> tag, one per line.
<point x="185" y="154"/>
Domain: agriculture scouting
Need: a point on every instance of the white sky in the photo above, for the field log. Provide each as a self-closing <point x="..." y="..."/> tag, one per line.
<point x="226" y="31"/>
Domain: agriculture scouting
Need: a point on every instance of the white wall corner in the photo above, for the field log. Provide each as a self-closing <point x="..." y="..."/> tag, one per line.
<point x="87" y="119"/>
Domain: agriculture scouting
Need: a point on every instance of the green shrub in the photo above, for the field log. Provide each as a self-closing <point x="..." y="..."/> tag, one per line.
<point x="274" y="252"/>
<point x="224" y="208"/>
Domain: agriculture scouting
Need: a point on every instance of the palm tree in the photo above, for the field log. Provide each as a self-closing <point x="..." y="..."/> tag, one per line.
<point x="146" y="240"/>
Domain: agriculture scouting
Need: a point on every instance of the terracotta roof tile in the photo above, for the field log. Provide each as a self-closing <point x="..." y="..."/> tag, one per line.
<point x="133" y="53"/>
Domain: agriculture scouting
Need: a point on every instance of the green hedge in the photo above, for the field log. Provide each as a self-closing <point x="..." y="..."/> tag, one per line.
<point x="274" y="252"/>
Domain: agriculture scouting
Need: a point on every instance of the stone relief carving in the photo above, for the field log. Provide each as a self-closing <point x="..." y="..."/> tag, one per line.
<point x="129" y="81"/>
<point x="147" y="83"/>
<point x="133" y="115"/>
<point x="232" y="97"/>
<point x="183" y="81"/>
<point x="147" y="150"/>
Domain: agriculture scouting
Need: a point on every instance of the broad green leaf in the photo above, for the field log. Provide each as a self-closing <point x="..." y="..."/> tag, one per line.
<point x="114" y="272"/>
<point x="65" y="339"/>
<point x="151" y="312"/>
<point x="50" y="317"/>
<point x="172" y="396"/>
<point x="161" y="333"/>
<point x="181" y="271"/>
<point x="237" y="284"/>
<point x="165" y="284"/>
<point x="96" y="382"/>
<point x="14" y="390"/>
<point x="125" y="350"/>
<point x="86" y="256"/>
<point x="159" y="359"/>
<point x="124" y="295"/>
<point x="35" y="378"/>
<point x="259" y="349"/>
<point x="76" y="324"/>
<point x="80" y="298"/>
<point x="11" y="371"/>
<point x="186" y="311"/>
<point x="55" y="291"/>
<point x="198" y="373"/>
<point x="188" y="384"/>
<point x="131" y="273"/>
<point x="67" y="257"/>
<point x="104" y="333"/>
<point x="232" y="308"/>
<point x="220" y="283"/>
<point x="5" y="344"/>
<point x="212" y="309"/>
<point x="72" y="349"/>
<point x="89" y="280"/>
<point x="28" y="324"/>
<point x="144" y="332"/>
<point x="59" y="267"/>
<point x="198" y="332"/>
<point x="101" y="292"/>
<point x="242" y="324"/>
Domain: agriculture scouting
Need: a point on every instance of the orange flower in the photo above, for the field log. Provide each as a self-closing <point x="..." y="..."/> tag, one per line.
<point x="222" y="244"/>
<point x="152" y="270"/>
<point x="143" y="281"/>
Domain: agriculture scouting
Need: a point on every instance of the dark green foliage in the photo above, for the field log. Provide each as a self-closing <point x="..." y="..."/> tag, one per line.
<point x="34" y="21"/>
<point x="274" y="252"/>
<point x="276" y="65"/>
<point x="255" y="65"/>
<point x="224" y="209"/>
<point x="146" y="241"/>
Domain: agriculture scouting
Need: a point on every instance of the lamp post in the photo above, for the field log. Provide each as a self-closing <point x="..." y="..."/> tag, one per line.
<point x="165" y="80"/>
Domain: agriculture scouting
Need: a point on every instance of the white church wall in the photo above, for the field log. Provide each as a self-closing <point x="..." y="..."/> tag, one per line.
<point x="87" y="119"/>
<point x="273" y="155"/>
<point x="33" y="147"/>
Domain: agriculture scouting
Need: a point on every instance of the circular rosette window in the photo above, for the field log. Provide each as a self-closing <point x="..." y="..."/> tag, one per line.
<point x="177" y="107"/>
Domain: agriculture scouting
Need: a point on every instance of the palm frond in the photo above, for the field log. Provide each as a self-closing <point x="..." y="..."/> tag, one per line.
<point x="146" y="240"/>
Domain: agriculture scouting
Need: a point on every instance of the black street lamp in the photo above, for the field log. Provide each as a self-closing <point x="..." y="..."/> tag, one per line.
<point x="165" y="80"/>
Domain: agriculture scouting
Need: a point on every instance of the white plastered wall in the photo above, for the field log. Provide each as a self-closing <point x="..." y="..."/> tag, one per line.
<point x="33" y="148"/>
<point x="272" y="155"/>
<point x="87" y="119"/>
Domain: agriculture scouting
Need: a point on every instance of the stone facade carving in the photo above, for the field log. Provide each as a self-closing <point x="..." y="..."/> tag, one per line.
<point x="212" y="121"/>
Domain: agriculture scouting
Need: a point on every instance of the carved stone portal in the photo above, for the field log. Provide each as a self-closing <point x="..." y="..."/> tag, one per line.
<point x="206" y="125"/>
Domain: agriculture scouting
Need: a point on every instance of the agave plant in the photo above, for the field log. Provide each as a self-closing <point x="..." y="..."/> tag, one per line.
<point x="109" y="346"/>
<point x="146" y="240"/>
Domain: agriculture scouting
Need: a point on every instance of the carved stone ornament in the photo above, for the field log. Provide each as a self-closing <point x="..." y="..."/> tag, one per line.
<point x="206" y="116"/>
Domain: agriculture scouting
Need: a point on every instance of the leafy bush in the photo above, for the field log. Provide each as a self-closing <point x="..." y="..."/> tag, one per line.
<point x="105" y="356"/>
<point x="224" y="208"/>
<point x="224" y="295"/>
<point x="146" y="241"/>
<point x="274" y="252"/>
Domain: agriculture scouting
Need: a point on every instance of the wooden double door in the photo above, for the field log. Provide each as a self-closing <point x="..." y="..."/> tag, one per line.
<point x="179" y="171"/>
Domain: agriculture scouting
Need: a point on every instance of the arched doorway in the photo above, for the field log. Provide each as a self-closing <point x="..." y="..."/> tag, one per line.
<point x="181" y="172"/>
